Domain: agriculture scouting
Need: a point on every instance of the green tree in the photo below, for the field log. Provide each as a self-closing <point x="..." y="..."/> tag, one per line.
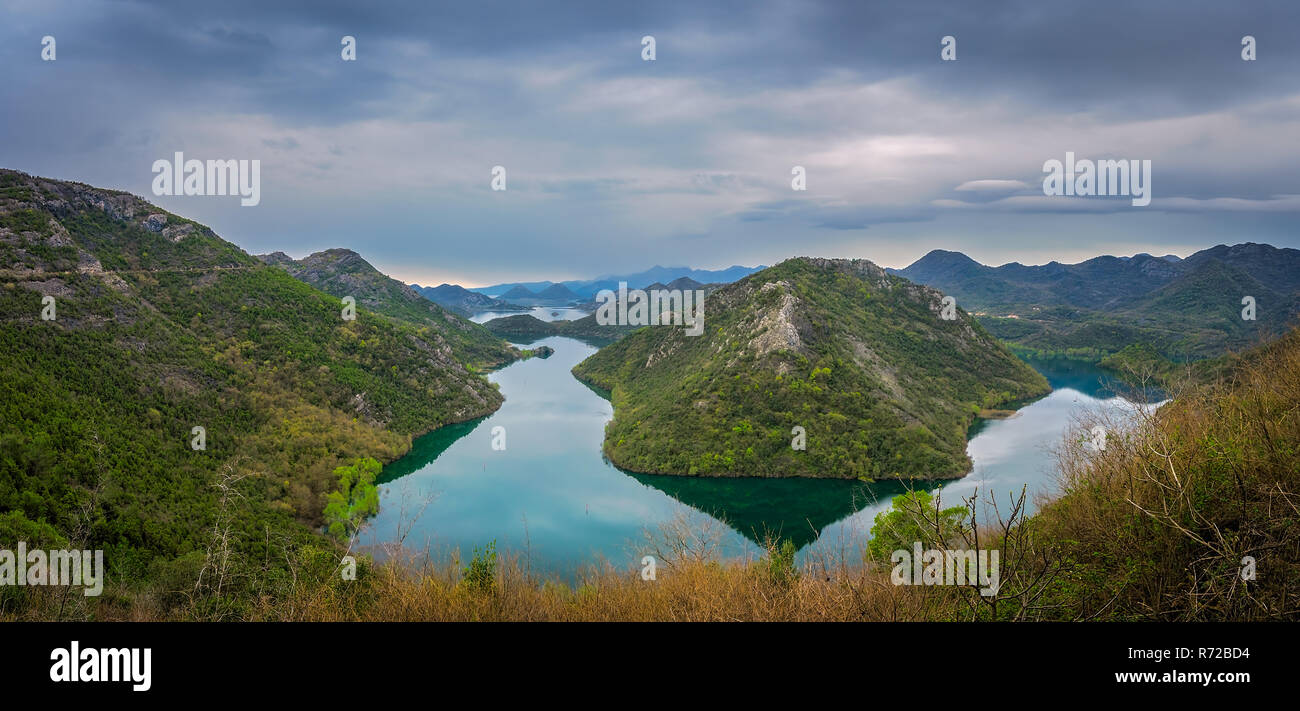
<point x="781" y="568"/>
<point x="356" y="499"/>
<point x="914" y="516"/>
<point x="481" y="572"/>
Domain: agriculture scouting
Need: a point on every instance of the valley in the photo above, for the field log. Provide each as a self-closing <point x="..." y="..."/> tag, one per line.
<point x="550" y="494"/>
<point x="163" y="328"/>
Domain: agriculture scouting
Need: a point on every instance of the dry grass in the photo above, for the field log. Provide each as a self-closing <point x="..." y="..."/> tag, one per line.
<point x="694" y="591"/>
<point x="1158" y="525"/>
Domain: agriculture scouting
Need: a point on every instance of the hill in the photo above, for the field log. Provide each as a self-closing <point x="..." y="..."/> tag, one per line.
<point x="552" y="295"/>
<point x="1183" y="309"/>
<point x="860" y="359"/>
<point x="342" y="272"/>
<point x="160" y="326"/>
<point x="528" y="326"/>
<point x="460" y="300"/>
<point x="518" y="294"/>
<point x="557" y="293"/>
<point x="683" y="283"/>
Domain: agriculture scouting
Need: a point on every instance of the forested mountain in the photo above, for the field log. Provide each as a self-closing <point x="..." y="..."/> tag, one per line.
<point x="1188" y="308"/>
<point x="342" y="272"/>
<point x="156" y="327"/>
<point x="862" y="360"/>
<point x="461" y="300"/>
<point x="527" y="326"/>
<point x="1102" y="282"/>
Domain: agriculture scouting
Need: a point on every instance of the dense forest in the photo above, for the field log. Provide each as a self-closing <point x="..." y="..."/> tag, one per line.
<point x="342" y="272"/>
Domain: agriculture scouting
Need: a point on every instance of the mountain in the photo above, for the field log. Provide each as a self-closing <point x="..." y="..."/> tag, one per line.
<point x="639" y="280"/>
<point x="552" y="295"/>
<point x="668" y="274"/>
<point x="1278" y="269"/>
<point x="680" y="283"/>
<point x="530" y="327"/>
<point x="940" y="264"/>
<point x="684" y="284"/>
<point x="860" y="359"/>
<point x="518" y="294"/>
<point x="557" y="293"/>
<point x="1182" y="308"/>
<point x="498" y="290"/>
<point x="342" y="272"/>
<point x="461" y="300"/>
<point x="160" y="327"/>
<point x="1097" y="283"/>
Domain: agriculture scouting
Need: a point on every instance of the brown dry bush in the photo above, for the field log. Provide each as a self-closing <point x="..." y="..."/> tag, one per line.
<point x="1159" y="524"/>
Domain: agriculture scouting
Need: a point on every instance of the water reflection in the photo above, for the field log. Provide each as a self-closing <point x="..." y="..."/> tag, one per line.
<point x="552" y="493"/>
<point x="765" y="510"/>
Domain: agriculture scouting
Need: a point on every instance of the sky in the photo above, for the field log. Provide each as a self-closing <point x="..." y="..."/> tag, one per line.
<point x="614" y="163"/>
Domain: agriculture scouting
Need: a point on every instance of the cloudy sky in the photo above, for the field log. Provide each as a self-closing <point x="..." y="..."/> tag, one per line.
<point x="615" y="163"/>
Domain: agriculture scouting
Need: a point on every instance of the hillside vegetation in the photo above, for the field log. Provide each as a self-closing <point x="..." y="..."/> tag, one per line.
<point x="159" y="327"/>
<point x="342" y="272"/>
<point x="527" y="326"/>
<point x="1179" y="309"/>
<point x="862" y="360"/>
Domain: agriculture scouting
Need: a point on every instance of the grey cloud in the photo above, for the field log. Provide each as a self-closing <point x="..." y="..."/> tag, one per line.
<point x="697" y="143"/>
<point x="285" y="144"/>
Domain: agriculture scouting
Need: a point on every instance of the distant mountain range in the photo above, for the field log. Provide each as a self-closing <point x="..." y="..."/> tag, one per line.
<point x="1184" y="308"/>
<point x="552" y="295"/>
<point x="462" y="300"/>
<point x="682" y="283"/>
<point x="522" y="295"/>
<point x="588" y="288"/>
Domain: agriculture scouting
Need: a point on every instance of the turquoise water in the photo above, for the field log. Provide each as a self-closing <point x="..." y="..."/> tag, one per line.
<point x="550" y="496"/>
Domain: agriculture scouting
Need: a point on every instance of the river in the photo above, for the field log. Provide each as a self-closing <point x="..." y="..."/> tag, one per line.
<point x="551" y="497"/>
